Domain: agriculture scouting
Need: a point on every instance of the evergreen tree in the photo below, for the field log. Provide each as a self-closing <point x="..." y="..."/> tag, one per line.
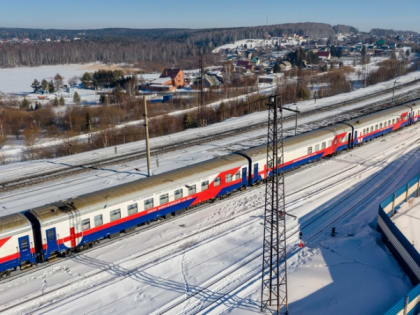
<point x="86" y="80"/>
<point x="44" y="85"/>
<point x="36" y="85"/>
<point x="51" y="88"/>
<point x="76" y="98"/>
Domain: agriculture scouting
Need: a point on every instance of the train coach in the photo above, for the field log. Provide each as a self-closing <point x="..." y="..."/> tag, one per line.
<point x="17" y="246"/>
<point x="86" y="219"/>
<point x="43" y="232"/>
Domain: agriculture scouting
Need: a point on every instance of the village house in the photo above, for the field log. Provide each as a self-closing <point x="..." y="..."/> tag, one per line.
<point x="169" y="81"/>
<point x="176" y="75"/>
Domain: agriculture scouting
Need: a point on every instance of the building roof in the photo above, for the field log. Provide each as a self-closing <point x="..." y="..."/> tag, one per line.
<point x="172" y="73"/>
<point x="161" y="80"/>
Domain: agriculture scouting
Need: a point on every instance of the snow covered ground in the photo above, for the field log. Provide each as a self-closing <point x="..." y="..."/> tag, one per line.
<point x="18" y="80"/>
<point x="407" y="221"/>
<point x="208" y="262"/>
<point x="251" y="43"/>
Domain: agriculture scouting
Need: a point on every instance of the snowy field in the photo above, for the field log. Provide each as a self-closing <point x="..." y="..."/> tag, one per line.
<point x="259" y="43"/>
<point x="18" y="80"/>
<point x="208" y="262"/>
<point x="407" y="221"/>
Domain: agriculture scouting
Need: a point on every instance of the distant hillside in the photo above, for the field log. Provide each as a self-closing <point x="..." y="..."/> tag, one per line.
<point x="151" y="47"/>
<point x="312" y="29"/>
<point x="384" y="33"/>
<point x="345" y="29"/>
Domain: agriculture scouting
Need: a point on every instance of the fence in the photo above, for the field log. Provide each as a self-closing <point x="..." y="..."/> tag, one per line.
<point x="402" y="249"/>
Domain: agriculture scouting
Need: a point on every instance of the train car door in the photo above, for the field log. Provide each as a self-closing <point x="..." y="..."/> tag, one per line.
<point x="51" y="240"/>
<point x="255" y="177"/>
<point x="244" y="177"/>
<point x="24" y="248"/>
<point x="349" y="140"/>
<point x="355" y="140"/>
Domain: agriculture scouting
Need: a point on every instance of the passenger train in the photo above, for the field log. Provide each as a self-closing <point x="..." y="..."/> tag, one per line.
<point x="37" y="234"/>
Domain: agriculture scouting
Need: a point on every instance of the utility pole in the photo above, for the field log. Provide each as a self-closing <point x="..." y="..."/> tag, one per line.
<point x="274" y="266"/>
<point x="146" y="126"/>
<point x="296" y="111"/>
<point x="393" y="92"/>
<point x="201" y="118"/>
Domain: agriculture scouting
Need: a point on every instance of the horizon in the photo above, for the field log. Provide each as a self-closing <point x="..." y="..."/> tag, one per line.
<point x="195" y="28"/>
<point x="164" y="14"/>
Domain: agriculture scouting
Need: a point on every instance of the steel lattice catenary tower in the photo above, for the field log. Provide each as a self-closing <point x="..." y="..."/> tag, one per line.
<point x="274" y="265"/>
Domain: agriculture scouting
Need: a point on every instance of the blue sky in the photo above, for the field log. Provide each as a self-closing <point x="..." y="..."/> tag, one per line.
<point x="363" y="14"/>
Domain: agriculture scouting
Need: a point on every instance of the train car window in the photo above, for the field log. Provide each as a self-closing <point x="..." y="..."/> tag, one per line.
<point x="228" y="178"/>
<point x="98" y="220"/>
<point x="389" y="122"/>
<point x="204" y="185"/>
<point x="393" y="120"/>
<point x="376" y="127"/>
<point x="85" y="224"/>
<point x="380" y="125"/>
<point x="51" y="235"/>
<point x="164" y="199"/>
<point x="178" y="194"/>
<point x="323" y="145"/>
<point x="317" y="148"/>
<point x="270" y="164"/>
<point x="309" y="150"/>
<point x="24" y="244"/>
<point x="115" y="215"/>
<point x="371" y="129"/>
<point x="132" y="209"/>
<point x="238" y="175"/>
<point x="148" y="203"/>
<point x="330" y="143"/>
<point x="192" y="190"/>
<point x="216" y="181"/>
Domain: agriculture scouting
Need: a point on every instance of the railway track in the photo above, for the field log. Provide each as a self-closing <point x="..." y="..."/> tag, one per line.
<point x="228" y="291"/>
<point x="120" y="274"/>
<point x="289" y="204"/>
<point x="68" y="170"/>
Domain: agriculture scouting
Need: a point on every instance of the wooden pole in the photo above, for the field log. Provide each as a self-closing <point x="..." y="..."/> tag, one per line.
<point x="146" y="126"/>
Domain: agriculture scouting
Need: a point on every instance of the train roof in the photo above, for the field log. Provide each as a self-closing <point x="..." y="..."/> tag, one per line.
<point x="13" y="222"/>
<point x="146" y="187"/>
<point x="303" y="138"/>
<point x="52" y="212"/>
<point x="383" y="114"/>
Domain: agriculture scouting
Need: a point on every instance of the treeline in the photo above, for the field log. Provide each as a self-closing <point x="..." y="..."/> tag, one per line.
<point x="390" y="69"/>
<point x="144" y="47"/>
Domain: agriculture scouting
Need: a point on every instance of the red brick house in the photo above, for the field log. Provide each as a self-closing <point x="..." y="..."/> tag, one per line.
<point x="176" y="75"/>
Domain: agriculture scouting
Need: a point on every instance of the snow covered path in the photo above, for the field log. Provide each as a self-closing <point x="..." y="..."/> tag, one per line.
<point x="209" y="261"/>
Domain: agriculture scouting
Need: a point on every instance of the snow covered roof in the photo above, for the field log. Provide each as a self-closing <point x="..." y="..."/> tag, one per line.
<point x="162" y="80"/>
